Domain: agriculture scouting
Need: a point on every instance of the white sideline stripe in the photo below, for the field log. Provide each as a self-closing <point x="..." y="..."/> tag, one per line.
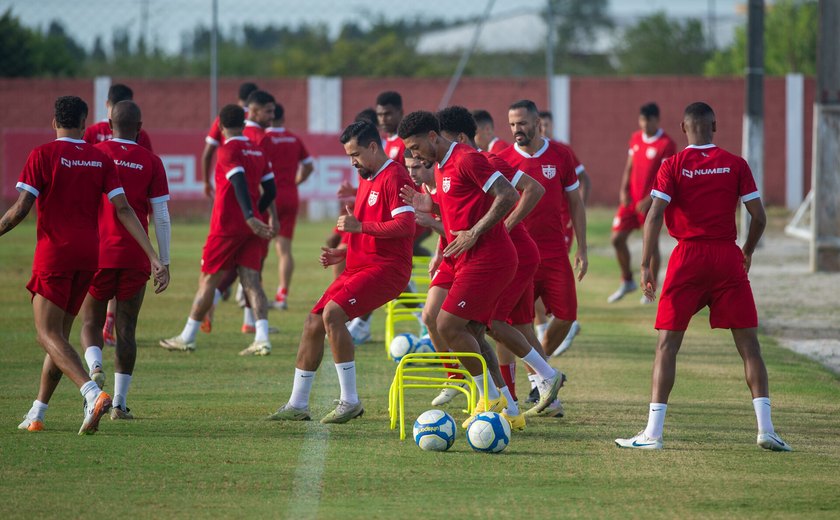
<point x="306" y="485"/>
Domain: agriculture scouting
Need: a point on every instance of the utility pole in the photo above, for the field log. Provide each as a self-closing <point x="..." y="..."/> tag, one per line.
<point x="752" y="145"/>
<point x="214" y="61"/>
<point x="825" y="210"/>
<point x="549" y="53"/>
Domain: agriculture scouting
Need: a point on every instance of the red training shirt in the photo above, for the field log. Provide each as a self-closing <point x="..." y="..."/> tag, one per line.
<point x="237" y="155"/>
<point x="101" y="131"/>
<point x="648" y="154"/>
<point x="286" y="151"/>
<point x="395" y="148"/>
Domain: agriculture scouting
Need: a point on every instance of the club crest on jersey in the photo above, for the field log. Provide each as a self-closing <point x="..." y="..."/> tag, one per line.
<point x="447" y="183"/>
<point x="393" y="152"/>
<point x="650" y="153"/>
<point x="373" y="197"/>
<point x="549" y="171"/>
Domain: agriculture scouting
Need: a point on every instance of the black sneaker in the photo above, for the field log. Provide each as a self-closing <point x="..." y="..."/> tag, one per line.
<point x="534" y="396"/>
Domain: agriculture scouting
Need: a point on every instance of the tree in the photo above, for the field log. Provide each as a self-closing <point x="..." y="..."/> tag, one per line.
<point x="16" y="48"/>
<point x="661" y="45"/>
<point x="578" y="24"/>
<point x="790" y="42"/>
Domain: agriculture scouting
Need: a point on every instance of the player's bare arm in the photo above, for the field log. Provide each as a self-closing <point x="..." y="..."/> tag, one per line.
<point x="531" y="193"/>
<point x="17" y="212"/>
<point x="624" y="192"/>
<point x="758" y="221"/>
<point x="206" y="159"/>
<point x="585" y="186"/>
<point x="428" y="220"/>
<point x="332" y="255"/>
<point x="653" y="225"/>
<point x="128" y="219"/>
<point x="578" y="213"/>
<point x="303" y="173"/>
<point x="505" y="197"/>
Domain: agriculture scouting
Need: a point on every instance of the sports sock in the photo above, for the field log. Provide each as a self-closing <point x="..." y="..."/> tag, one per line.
<point x="453" y="375"/>
<point x="509" y="375"/>
<point x="347" y="381"/>
<point x="533" y="379"/>
<point x="261" y="327"/>
<point x="301" y="387"/>
<point x="512" y="408"/>
<point x="656" y="420"/>
<point x="190" y="330"/>
<point x="248" y="317"/>
<point x="121" y="384"/>
<point x="282" y="293"/>
<point x="540" y="365"/>
<point x="37" y="411"/>
<point x="93" y="356"/>
<point x="90" y="392"/>
<point x="492" y="391"/>
<point x="540" y="329"/>
<point x="109" y="322"/>
<point x="761" y="405"/>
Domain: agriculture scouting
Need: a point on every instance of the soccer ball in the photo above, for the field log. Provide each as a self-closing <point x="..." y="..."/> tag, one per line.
<point x="434" y="430"/>
<point x="424" y="344"/>
<point x="401" y="345"/>
<point x="488" y="432"/>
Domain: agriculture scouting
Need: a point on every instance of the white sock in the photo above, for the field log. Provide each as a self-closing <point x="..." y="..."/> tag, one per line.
<point x="93" y="356"/>
<point x="656" y="420"/>
<point x="248" y="317"/>
<point x="90" y="392"/>
<point x="262" y="329"/>
<point x="216" y="297"/>
<point x="492" y="391"/>
<point x="533" y="379"/>
<point x="301" y="387"/>
<point x="512" y="407"/>
<point x="121" y="384"/>
<point x="190" y="330"/>
<point x="347" y="381"/>
<point x="38" y="410"/>
<point x="540" y="329"/>
<point x="761" y="405"/>
<point x="540" y="365"/>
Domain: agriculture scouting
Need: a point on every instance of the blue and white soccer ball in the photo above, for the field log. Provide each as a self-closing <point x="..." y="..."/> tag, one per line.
<point x="488" y="432"/>
<point x="435" y="430"/>
<point x="424" y="344"/>
<point x="401" y="345"/>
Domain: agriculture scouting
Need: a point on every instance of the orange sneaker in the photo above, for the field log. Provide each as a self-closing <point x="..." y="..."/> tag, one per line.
<point x="207" y="322"/>
<point x="91" y="423"/>
<point x="248" y="329"/>
<point x="32" y="425"/>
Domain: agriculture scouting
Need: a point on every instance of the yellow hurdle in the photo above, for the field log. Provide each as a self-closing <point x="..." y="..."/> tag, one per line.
<point x="415" y="371"/>
<point x="403" y="307"/>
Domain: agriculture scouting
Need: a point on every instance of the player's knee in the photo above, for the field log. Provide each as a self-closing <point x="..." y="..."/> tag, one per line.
<point x="334" y="315"/>
<point x="429" y="317"/>
<point x="618" y="240"/>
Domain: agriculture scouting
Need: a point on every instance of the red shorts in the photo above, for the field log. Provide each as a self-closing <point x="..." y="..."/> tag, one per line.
<point x="287" y="211"/>
<point x="706" y="273"/>
<point x="477" y="287"/>
<point x="444" y="275"/>
<point x="223" y="253"/>
<point x="516" y="306"/>
<point x="66" y="289"/>
<point x="123" y="284"/>
<point x="362" y="291"/>
<point x="555" y="284"/>
<point x="628" y="219"/>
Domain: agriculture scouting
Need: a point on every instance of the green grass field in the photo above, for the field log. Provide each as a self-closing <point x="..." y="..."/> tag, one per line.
<point x="200" y="446"/>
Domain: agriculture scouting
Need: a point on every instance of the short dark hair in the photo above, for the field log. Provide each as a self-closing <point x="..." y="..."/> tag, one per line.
<point x="418" y="123"/>
<point x="246" y="89"/>
<point x="527" y="104"/>
<point x="259" y="97"/>
<point x="649" y="110"/>
<point x="699" y="111"/>
<point x="232" y="116"/>
<point x="119" y="92"/>
<point x="546" y="114"/>
<point x="363" y="132"/>
<point x="389" y="97"/>
<point x="125" y="114"/>
<point x="279" y="111"/>
<point x="457" y="119"/>
<point x="70" y="111"/>
<point x="482" y="117"/>
<point x="367" y="114"/>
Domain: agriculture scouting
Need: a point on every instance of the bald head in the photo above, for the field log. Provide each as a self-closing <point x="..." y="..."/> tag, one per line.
<point x="699" y="123"/>
<point x="125" y="120"/>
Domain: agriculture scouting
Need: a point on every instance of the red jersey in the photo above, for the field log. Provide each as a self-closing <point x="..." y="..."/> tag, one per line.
<point x="702" y="185"/>
<point x="237" y="155"/>
<point x="648" y="154"/>
<point x="462" y="179"/>
<point x="395" y="148"/>
<point x="553" y="167"/>
<point x="254" y="132"/>
<point x="101" y="131"/>
<point x="144" y="181"/>
<point x="578" y="165"/>
<point x="286" y="151"/>
<point x="497" y="145"/>
<point x="68" y="178"/>
<point x="378" y="200"/>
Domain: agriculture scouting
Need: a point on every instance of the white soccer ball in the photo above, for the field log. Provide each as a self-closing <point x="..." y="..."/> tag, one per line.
<point x="424" y="344"/>
<point x="401" y="345"/>
<point x="435" y="430"/>
<point x="488" y="432"/>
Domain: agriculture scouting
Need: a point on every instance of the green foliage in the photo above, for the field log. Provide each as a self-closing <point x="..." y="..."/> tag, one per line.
<point x="661" y="45"/>
<point x="790" y="42"/>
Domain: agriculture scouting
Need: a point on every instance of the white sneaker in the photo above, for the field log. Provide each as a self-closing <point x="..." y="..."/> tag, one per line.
<point x="624" y="289"/>
<point x="446" y="395"/>
<point x="240" y="295"/>
<point x="574" y="330"/>
<point x="771" y="441"/>
<point x="178" y="344"/>
<point x="359" y="331"/>
<point x="640" y="442"/>
<point x="257" y="348"/>
<point x="644" y="300"/>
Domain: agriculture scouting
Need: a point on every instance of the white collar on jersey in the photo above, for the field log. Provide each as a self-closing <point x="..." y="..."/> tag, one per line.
<point x="277" y="129"/>
<point x="71" y="140"/>
<point x="391" y="138"/>
<point x="491" y="143"/>
<point x="525" y="154"/>
<point x="252" y="124"/>
<point x="123" y="141"/>
<point x="652" y="138"/>
<point x="701" y="146"/>
<point x="237" y="138"/>
<point x="429" y="190"/>
<point x="448" y="153"/>
<point x="389" y="161"/>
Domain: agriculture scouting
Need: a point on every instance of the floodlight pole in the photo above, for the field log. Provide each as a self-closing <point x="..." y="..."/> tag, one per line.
<point x="214" y="61"/>
<point x="465" y="57"/>
<point x="825" y="211"/>
<point x="752" y="145"/>
<point x="549" y="53"/>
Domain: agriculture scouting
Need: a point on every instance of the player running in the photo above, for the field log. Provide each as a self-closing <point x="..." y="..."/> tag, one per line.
<point x="378" y="257"/>
<point x="648" y="147"/>
<point x="696" y="192"/>
<point x="68" y="178"/>
<point x="237" y="233"/>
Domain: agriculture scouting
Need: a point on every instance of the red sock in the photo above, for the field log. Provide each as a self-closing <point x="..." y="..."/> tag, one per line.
<point x="509" y="375"/>
<point x="453" y="375"/>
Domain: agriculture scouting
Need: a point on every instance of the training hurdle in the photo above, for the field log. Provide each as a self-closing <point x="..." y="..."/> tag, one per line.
<point x="414" y="371"/>
<point x="404" y="306"/>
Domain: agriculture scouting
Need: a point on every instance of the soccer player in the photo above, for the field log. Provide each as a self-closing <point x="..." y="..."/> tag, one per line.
<point x="473" y="198"/>
<point x="696" y="193"/>
<point x="292" y="165"/>
<point x="389" y="113"/>
<point x="648" y="147"/>
<point x="123" y="269"/>
<point x="215" y="138"/>
<point x="553" y="167"/>
<point x="68" y="177"/>
<point x="101" y="131"/>
<point x="260" y="114"/>
<point x="378" y="257"/>
<point x="237" y="233"/>
<point x="485" y="135"/>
